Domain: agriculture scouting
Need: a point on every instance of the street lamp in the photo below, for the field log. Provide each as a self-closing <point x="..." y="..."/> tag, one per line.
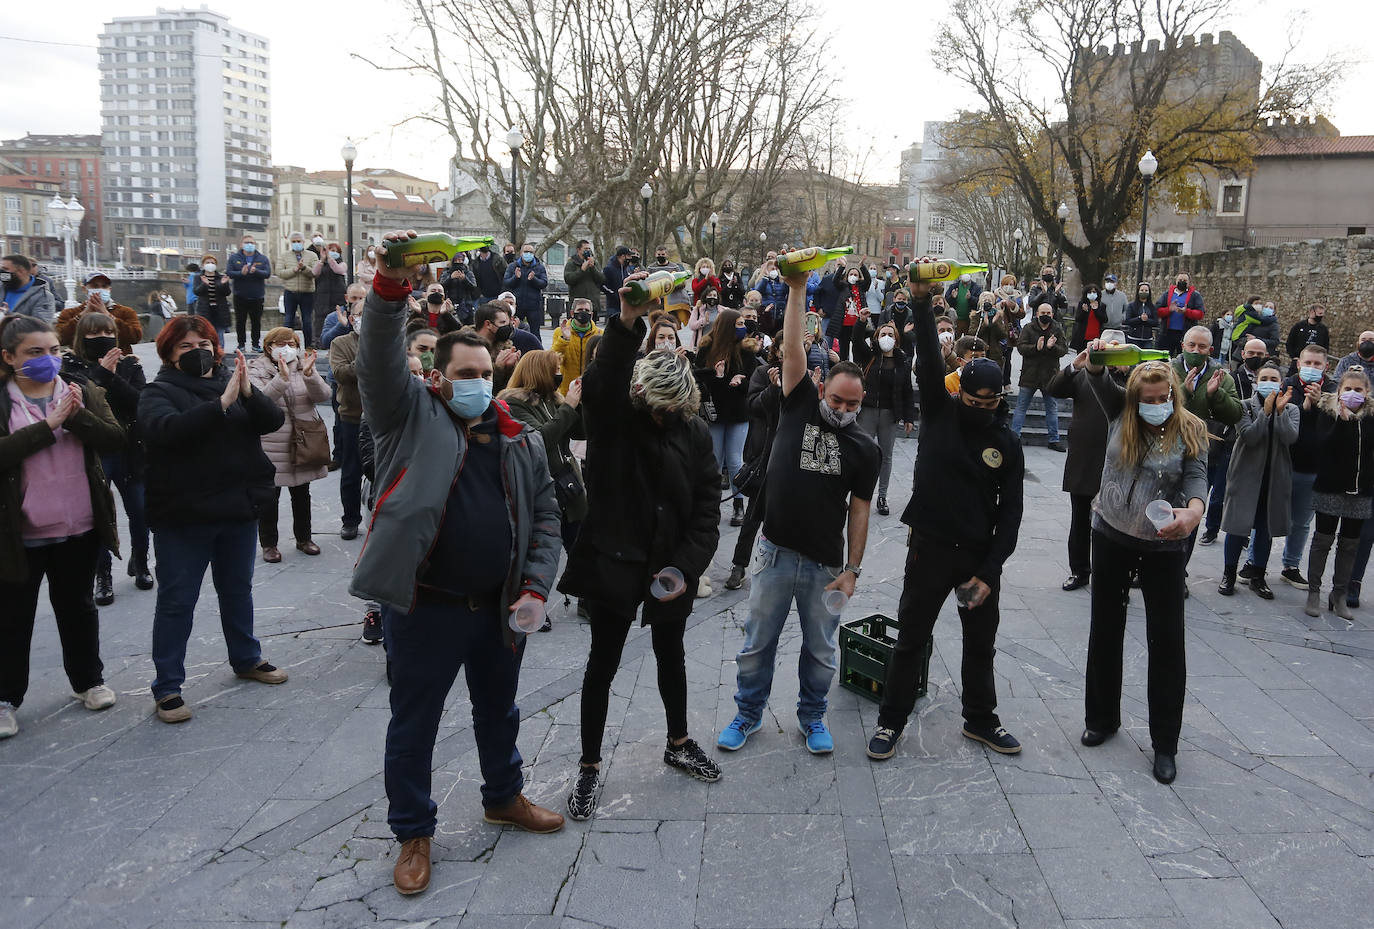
<point x="763" y="244"/>
<point x="1016" y="251"/>
<point x="349" y="153"/>
<point x="1063" y="214"/>
<point x="1148" y="166"/>
<point x="514" y="139"/>
<point x="66" y="220"/>
<point x="645" y="193"/>
<point x="715" y="218"/>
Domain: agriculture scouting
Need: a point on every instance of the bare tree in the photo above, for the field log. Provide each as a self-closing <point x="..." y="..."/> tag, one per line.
<point x="1116" y="97"/>
<point x="981" y="209"/>
<point x="704" y="99"/>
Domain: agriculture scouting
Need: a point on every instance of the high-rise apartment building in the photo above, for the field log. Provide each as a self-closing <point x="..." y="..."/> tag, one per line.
<point x="186" y="134"/>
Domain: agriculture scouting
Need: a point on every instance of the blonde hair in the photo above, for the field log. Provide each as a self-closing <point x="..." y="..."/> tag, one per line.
<point x="708" y="264"/>
<point x="663" y="382"/>
<point x="533" y="376"/>
<point x="1183" y="426"/>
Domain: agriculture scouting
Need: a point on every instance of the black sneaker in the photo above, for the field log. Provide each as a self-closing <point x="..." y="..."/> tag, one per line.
<point x="690" y="758"/>
<point x="1056" y="447"/>
<point x="882" y="506"/>
<point x="372" y="627"/>
<point x="1294" y="577"/>
<point x="1261" y="587"/>
<point x="884" y="743"/>
<point x="997" y="738"/>
<point x="736" y="579"/>
<point x="1208" y="537"/>
<point x="582" y="800"/>
<point x="1248" y="572"/>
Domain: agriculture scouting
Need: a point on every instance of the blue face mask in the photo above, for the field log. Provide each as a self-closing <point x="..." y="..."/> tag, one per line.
<point x="1267" y="312"/>
<point x="1156" y="414"/>
<point x="249" y="248"/>
<point x="41" y="369"/>
<point x="297" y="246"/>
<point x="1265" y="388"/>
<point x="1310" y="375"/>
<point x="471" y="397"/>
<point x="527" y="257"/>
<point x="741" y="333"/>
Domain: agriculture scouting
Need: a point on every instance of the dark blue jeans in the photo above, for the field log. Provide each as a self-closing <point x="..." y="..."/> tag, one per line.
<point x="131" y="492"/>
<point x="426" y="647"/>
<point x="1217" y="467"/>
<point x="304" y="303"/>
<point x="183" y="553"/>
<point x="350" y="470"/>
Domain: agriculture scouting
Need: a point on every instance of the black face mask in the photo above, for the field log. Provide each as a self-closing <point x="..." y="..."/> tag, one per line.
<point x="711" y="301"/>
<point x="727" y="270"/>
<point x="1181" y="284"/>
<point x="1045" y="321"/>
<point x="1367" y="349"/>
<point x="583" y="318"/>
<point x="503" y="332"/>
<point x="1255" y="363"/>
<point x="751" y="326"/>
<point x="98" y="346"/>
<point x="510" y="256"/>
<point x="1047" y="278"/>
<point x="435" y="299"/>
<point x="197" y="362"/>
<point x="971" y="417"/>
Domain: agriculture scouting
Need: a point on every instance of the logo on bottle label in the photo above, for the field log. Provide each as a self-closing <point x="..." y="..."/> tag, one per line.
<point x="992" y="458"/>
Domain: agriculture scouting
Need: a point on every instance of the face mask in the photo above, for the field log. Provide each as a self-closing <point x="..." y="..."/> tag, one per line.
<point x="1194" y="359"/>
<point x="41" y="369"/>
<point x="197" y="362"/>
<point x="1045" y="320"/>
<point x="1143" y="296"/>
<point x="317" y="241"/>
<point x="727" y="269"/>
<point x="558" y="379"/>
<point x="371" y="255"/>
<point x="357" y="323"/>
<point x="964" y="279"/>
<point x="333" y="256"/>
<point x="740" y="332"/>
<point x="886" y="343"/>
<point x="853" y="278"/>
<point x="249" y="248"/>
<point x="1156" y="414"/>
<point x="751" y="326"/>
<point x="701" y="273"/>
<point x="1109" y="287"/>
<point x="773" y="274"/>
<point x="1309" y="375"/>
<point x="1352" y="399"/>
<point x="6" y="278"/>
<point x="582" y="319"/>
<point x="837" y="419"/>
<point x="427" y="361"/>
<point x="1265" y="388"/>
<point x="436" y="299"/>
<point x="210" y="267"/>
<point x="947" y="337"/>
<point x="286" y="353"/>
<point x="527" y="257"/>
<point x="297" y="246"/>
<point x="1267" y="312"/>
<point x="510" y="256"/>
<point x="101" y="293"/>
<point x="1254" y="364"/>
<point x="1092" y="296"/>
<point x="1181" y="284"/>
<point x="1047" y="278"/>
<point x="98" y="346"/>
<point x="972" y="417"/>
<point x="899" y="305"/>
<point x="471" y="397"/>
<point x="503" y="332"/>
<point x="661" y="259"/>
<point x="1367" y="349"/>
<point x="664" y="345"/>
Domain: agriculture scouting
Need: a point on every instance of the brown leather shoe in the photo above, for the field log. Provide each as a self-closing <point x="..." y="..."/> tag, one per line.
<point x="521" y="813"/>
<point x="411" y="874"/>
<point x="264" y="673"/>
<point x="308" y="547"/>
<point x="271" y="554"/>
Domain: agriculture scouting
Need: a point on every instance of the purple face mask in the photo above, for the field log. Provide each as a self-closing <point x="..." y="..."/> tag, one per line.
<point x="41" y="369"/>
<point x="1352" y="399"/>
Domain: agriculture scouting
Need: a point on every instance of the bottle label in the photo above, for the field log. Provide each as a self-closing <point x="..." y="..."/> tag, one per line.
<point x="411" y="259"/>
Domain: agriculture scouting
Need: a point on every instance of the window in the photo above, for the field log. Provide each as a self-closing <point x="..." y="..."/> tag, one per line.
<point x="1356" y="230"/>
<point x="13" y="225"/>
<point x="319" y="207"/>
<point x="937" y="246"/>
<point x="331" y="230"/>
<point x="37" y="227"/>
<point x="556" y="255"/>
<point x="893" y="240"/>
<point x="906" y="240"/>
<point x="12" y="203"/>
<point x="1232" y="198"/>
<point x="937" y="223"/>
<point x="1167" y="249"/>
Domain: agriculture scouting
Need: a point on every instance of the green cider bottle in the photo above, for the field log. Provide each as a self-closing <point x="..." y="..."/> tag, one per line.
<point x="940" y="270"/>
<point x="809" y="259"/>
<point x="655" y="287"/>
<point x="432" y="247"/>
<point x="1118" y="354"/>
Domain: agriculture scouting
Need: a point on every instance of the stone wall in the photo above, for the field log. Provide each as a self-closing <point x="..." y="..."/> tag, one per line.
<point x="134" y="293"/>
<point x="1337" y="273"/>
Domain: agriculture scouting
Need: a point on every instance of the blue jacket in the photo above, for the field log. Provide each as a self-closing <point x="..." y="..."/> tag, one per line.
<point x="615" y="279"/>
<point x="529" y="301"/>
<point x="332" y="329"/>
<point x="773" y="292"/>
<point x="250" y="274"/>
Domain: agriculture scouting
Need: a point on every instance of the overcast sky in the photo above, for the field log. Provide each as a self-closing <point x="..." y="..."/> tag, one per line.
<point x="876" y="67"/>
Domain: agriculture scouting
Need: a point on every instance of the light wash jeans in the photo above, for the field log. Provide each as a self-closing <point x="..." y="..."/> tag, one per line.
<point x="780" y="576"/>
<point x="1299" y="519"/>
<point x="1023" y="399"/>
<point x="728" y="441"/>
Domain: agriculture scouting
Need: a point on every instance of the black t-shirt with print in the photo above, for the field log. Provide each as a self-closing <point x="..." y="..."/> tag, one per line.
<point x="812" y="471"/>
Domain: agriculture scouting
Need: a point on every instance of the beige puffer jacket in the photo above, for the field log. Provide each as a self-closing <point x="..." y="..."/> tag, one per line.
<point x="302" y="393"/>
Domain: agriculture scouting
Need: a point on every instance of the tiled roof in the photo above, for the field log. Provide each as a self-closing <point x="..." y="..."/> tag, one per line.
<point x="1309" y="146"/>
<point x="371" y="196"/>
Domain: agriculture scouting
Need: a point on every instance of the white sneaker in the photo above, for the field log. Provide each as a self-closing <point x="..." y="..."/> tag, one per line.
<point x="9" y="723"/>
<point x="98" y="697"/>
<point x="704" y="587"/>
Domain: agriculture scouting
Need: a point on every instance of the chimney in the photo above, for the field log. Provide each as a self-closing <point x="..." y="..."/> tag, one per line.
<point x="1102" y="50"/>
<point x="1118" y="49"/>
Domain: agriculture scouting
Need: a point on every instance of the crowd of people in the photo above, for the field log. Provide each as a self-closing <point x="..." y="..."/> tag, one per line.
<point x="475" y="457"/>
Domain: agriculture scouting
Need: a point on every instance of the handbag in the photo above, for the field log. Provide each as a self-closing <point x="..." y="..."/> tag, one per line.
<point x="309" y="446"/>
<point x="748" y="480"/>
<point x="708" y="411"/>
<point x="566" y="487"/>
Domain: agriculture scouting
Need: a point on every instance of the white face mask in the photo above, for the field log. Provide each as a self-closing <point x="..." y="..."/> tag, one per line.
<point x="853" y="278"/>
<point x="102" y="293"/>
<point x="1109" y="286"/>
<point x="964" y="279"/>
<point x="286" y="353"/>
<point x="357" y="323"/>
<point x="946" y="337"/>
<point x="211" y="268"/>
<point x="886" y="342"/>
<point x="1092" y="296"/>
<point x="317" y="241"/>
<point x="773" y="274"/>
<point x="371" y="255"/>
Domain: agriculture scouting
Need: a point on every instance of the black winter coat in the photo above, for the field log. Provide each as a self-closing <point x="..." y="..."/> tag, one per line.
<point x="653" y="492"/>
<point x="1087" y="431"/>
<point x="835" y="287"/>
<point x="122" y="389"/>
<point x="1038" y="363"/>
<point x="205" y="464"/>
<point x="765" y="405"/>
<point x="460" y="286"/>
<point x="867" y="356"/>
<point x="213" y="302"/>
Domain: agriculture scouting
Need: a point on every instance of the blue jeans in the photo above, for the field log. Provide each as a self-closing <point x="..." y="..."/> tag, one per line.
<point x="131" y="492"/>
<point x="350" y="470"/>
<point x="426" y="647"/>
<point x="183" y="554"/>
<point x="1362" y="556"/>
<point x="1261" y="543"/>
<point x="728" y="441"/>
<point x="304" y="303"/>
<point x="781" y="575"/>
<point x="1299" y="519"/>
<point x="1023" y="399"/>
<point x="1216" y="477"/>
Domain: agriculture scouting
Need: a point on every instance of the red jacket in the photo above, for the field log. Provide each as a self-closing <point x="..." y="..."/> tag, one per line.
<point x="1192" y="306"/>
<point x="700" y="283"/>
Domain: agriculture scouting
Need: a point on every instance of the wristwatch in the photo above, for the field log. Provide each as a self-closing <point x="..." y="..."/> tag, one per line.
<point x="854" y="570"/>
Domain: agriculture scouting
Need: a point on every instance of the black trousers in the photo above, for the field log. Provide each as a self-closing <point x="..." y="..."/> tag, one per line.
<point x="610" y="625"/>
<point x="1161" y="584"/>
<point x="933" y="569"/>
<point x="70" y="569"/>
<point x="753" y="519"/>
<point x="1080" y="534"/>
<point x="300" y="516"/>
<point x="245" y="309"/>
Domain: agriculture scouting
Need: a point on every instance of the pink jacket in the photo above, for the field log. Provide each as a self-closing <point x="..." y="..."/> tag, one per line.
<point x="53" y="509"/>
<point x="300" y="395"/>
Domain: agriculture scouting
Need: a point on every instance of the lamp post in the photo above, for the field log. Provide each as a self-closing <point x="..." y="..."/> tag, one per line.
<point x="715" y="218"/>
<point x="515" y="140"/>
<point x="66" y="220"/>
<point x="349" y="153"/>
<point x="645" y="193"/>
<point x="1148" y="165"/>
<point x="1016" y="253"/>
<point x="763" y="244"/>
<point x="1063" y="214"/>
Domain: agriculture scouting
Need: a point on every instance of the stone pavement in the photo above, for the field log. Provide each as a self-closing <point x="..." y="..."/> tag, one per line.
<point x="267" y="809"/>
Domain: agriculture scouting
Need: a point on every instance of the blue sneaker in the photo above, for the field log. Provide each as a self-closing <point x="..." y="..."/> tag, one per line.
<point x="818" y="740"/>
<point x="733" y="736"/>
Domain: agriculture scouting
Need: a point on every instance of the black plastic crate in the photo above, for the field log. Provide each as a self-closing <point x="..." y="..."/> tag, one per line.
<point x="866" y="647"/>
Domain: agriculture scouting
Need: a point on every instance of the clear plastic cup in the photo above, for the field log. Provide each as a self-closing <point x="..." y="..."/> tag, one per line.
<point x="528" y="618"/>
<point x="666" y="583"/>
<point x="834" y="601"/>
<point x="1160" y="512"/>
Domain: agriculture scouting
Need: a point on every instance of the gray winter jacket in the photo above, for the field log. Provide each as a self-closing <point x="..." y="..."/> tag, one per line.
<point x="1261" y="439"/>
<point x="38" y="301"/>
<point x="420" y="447"/>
